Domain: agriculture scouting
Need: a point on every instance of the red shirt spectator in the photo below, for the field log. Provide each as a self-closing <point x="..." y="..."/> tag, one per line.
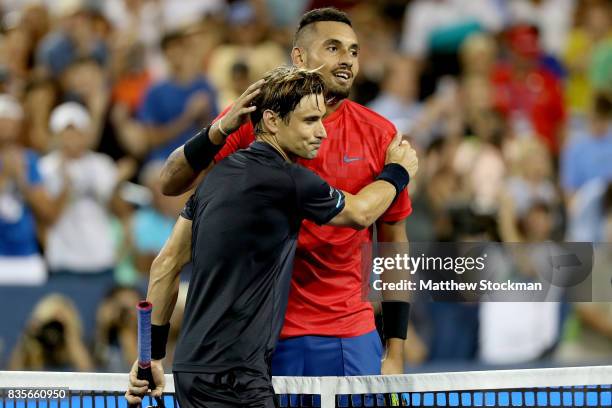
<point x="525" y="89"/>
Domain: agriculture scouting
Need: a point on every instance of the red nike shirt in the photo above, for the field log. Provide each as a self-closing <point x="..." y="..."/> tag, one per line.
<point x="325" y="297"/>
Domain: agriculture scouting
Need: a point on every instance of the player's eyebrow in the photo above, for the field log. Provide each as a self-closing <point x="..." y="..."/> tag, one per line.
<point x="334" y="41"/>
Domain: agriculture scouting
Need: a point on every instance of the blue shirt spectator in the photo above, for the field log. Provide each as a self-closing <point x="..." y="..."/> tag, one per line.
<point x="58" y="51"/>
<point x="168" y="101"/>
<point x="586" y="159"/>
<point x="17" y="224"/>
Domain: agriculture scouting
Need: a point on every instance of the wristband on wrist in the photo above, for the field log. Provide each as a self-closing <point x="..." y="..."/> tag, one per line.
<point x="159" y="338"/>
<point x="395" y="316"/>
<point x="395" y="174"/>
<point x="200" y="151"/>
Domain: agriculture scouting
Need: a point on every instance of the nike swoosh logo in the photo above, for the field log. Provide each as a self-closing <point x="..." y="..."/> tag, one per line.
<point x="347" y="159"/>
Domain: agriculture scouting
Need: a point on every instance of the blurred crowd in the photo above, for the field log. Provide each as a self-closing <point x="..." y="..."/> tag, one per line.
<point x="509" y="104"/>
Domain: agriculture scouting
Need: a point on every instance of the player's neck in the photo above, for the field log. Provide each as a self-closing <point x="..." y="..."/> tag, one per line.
<point x="332" y="104"/>
<point x="272" y="141"/>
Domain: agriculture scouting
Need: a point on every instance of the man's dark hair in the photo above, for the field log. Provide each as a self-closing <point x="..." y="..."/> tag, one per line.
<point x="603" y="106"/>
<point x="283" y="90"/>
<point x="170" y="37"/>
<point x="319" y="15"/>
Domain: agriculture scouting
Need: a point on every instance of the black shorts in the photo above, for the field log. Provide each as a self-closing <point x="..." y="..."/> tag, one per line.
<point x="225" y="390"/>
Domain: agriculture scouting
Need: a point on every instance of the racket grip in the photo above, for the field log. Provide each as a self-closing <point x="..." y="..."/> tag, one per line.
<point x="146" y="374"/>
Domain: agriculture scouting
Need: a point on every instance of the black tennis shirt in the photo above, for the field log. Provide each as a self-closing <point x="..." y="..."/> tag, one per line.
<point x="246" y="216"/>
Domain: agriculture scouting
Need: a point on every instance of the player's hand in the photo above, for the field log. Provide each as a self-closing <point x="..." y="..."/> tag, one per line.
<point x="400" y="152"/>
<point x="138" y="388"/>
<point x="239" y="112"/>
<point x="392" y="366"/>
<point x="393" y="363"/>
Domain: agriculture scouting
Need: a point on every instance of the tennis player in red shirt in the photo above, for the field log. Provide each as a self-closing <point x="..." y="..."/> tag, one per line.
<point x="329" y="329"/>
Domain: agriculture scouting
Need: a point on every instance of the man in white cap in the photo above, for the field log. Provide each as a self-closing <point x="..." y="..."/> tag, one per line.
<point x="80" y="241"/>
<point x="23" y="202"/>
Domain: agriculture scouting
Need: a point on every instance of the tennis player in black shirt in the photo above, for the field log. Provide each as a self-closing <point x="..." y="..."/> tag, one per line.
<point x="240" y="230"/>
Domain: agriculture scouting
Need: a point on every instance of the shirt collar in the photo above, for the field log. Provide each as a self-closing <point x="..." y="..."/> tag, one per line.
<point x="266" y="149"/>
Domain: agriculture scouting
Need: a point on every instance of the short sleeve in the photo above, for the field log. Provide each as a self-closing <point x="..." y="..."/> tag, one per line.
<point x="317" y="201"/>
<point x="189" y="210"/>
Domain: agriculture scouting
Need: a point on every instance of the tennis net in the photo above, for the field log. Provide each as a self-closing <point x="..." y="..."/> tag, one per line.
<point x="574" y="387"/>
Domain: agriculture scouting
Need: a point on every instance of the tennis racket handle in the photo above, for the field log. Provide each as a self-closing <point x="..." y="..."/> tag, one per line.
<point x="145" y="374"/>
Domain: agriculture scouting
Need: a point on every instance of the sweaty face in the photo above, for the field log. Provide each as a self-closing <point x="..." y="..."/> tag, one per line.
<point x="304" y="133"/>
<point x="332" y="48"/>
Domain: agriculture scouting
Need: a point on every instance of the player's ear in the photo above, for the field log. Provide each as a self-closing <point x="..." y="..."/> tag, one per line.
<point x="270" y="121"/>
<point x="298" y="56"/>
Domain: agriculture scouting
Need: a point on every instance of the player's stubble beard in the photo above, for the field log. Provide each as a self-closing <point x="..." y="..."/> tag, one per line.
<point x="335" y="93"/>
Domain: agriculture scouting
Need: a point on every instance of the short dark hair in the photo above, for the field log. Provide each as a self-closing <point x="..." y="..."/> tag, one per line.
<point x="602" y="106"/>
<point x="283" y="90"/>
<point x="170" y="37"/>
<point x="319" y="15"/>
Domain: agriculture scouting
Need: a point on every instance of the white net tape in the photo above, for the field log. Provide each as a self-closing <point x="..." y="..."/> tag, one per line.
<point x="329" y="387"/>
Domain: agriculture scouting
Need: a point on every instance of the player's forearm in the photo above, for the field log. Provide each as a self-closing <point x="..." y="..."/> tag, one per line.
<point x="165" y="270"/>
<point x="177" y="175"/>
<point x="163" y="288"/>
<point x="364" y="208"/>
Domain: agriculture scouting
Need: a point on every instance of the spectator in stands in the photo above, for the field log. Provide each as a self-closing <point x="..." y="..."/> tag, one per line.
<point x="531" y="179"/>
<point x="434" y="31"/>
<point x="593" y="27"/>
<point x="175" y="108"/>
<point x="589" y="338"/>
<point x="15" y="52"/>
<point x="377" y="45"/>
<point x="24" y="202"/>
<point x="85" y="81"/>
<point x="520" y="332"/>
<point x="41" y="95"/>
<point x="478" y="159"/>
<point x="398" y="99"/>
<point x="79" y="241"/>
<point x="553" y="18"/>
<point x="588" y="157"/>
<point x="478" y="55"/>
<point x="248" y="44"/>
<point x="116" y="338"/>
<point x="75" y="38"/>
<point x="528" y="93"/>
<point x="52" y="340"/>
<point x="586" y="217"/>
